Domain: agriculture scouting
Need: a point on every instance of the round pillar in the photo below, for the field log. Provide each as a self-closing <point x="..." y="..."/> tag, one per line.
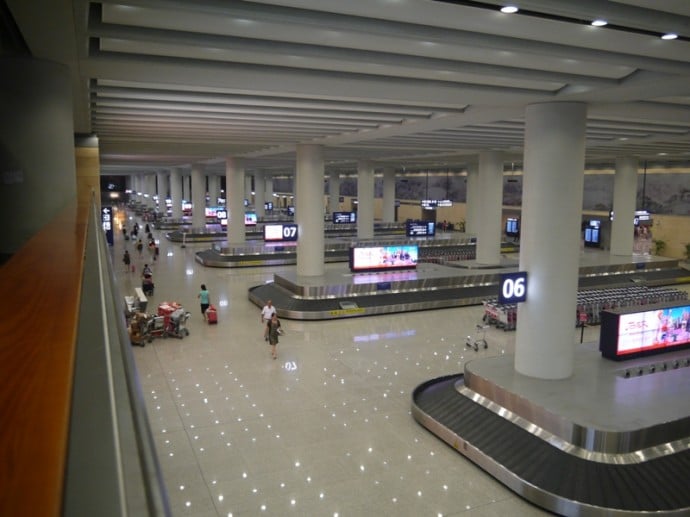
<point x="550" y="238"/>
<point x="624" y="202"/>
<point x="309" y="211"/>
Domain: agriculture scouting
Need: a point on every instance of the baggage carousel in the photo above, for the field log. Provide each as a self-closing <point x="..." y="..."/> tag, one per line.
<point x="449" y="248"/>
<point x="596" y="444"/>
<point x="342" y="294"/>
<point x="182" y="231"/>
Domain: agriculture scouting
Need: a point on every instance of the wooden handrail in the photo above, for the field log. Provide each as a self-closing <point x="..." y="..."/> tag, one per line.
<point x="39" y="312"/>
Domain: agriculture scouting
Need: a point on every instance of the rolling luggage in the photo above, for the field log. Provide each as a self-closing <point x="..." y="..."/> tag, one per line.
<point x="211" y="315"/>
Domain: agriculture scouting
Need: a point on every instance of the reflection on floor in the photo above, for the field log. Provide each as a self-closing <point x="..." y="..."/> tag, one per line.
<point x="323" y="430"/>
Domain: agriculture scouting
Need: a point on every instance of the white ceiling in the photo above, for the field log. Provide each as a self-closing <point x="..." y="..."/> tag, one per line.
<point x="414" y="83"/>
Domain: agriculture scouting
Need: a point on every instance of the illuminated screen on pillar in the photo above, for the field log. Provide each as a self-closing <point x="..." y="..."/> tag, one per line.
<point x="512" y="227"/>
<point x="593" y="233"/>
<point x="381" y="258"/>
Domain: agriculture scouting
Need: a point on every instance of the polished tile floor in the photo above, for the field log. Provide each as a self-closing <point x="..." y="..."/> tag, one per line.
<point x="324" y="430"/>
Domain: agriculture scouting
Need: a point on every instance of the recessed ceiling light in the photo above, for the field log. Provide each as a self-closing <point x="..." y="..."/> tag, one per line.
<point x="670" y="35"/>
<point x="599" y="22"/>
<point x="509" y="9"/>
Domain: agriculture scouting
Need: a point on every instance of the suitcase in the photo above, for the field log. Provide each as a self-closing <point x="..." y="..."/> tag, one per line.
<point x="211" y="315"/>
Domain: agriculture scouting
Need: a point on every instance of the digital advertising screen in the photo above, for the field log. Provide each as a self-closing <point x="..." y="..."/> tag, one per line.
<point x="633" y="334"/>
<point x="280" y="232"/>
<point x="212" y="211"/>
<point x="381" y="258"/>
<point x="250" y="218"/>
<point x="344" y="217"/>
<point x="420" y="228"/>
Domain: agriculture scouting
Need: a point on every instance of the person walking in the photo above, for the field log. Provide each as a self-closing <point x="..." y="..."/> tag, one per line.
<point x="271" y="333"/>
<point x="267" y="312"/>
<point x="204" y="300"/>
<point x="127" y="260"/>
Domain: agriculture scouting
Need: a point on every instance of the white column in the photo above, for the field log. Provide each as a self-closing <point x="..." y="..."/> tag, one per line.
<point x="334" y="191"/>
<point x="388" y="195"/>
<point x="248" y="188"/>
<point x="185" y="187"/>
<point x="365" y="200"/>
<point x="473" y="202"/>
<point x="151" y="190"/>
<point x="309" y="211"/>
<point x="213" y="189"/>
<point x="162" y="190"/>
<point x="234" y="196"/>
<point x="37" y="135"/>
<point x="198" y="196"/>
<point x="176" y="192"/>
<point x="268" y="190"/>
<point x="259" y="198"/>
<point x="624" y="202"/>
<point x="141" y="188"/>
<point x="488" y="225"/>
<point x="550" y="238"/>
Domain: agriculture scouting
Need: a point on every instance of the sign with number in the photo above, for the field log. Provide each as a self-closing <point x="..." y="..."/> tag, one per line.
<point x="280" y="232"/>
<point x="513" y="287"/>
<point x="107" y="222"/>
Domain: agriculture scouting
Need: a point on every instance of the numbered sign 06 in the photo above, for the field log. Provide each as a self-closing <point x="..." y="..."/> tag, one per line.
<point x="513" y="288"/>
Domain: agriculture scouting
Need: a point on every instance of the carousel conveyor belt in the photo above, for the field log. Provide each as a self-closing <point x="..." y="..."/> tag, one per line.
<point x="293" y="307"/>
<point x="300" y="308"/>
<point x="545" y="474"/>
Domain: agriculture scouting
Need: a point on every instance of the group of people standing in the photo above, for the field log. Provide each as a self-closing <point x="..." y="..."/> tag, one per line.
<point x="269" y="316"/>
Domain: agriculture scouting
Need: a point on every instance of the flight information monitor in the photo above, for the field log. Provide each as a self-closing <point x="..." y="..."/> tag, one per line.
<point x="344" y="217"/>
<point x="420" y="228"/>
<point x="250" y="218"/>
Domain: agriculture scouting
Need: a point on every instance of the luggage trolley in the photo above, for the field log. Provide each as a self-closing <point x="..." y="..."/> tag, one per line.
<point x="177" y="324"/>
<point x="479" y="339"/>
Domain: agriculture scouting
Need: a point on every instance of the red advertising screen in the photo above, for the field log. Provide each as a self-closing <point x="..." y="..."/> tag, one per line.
<point x="648" y="330"/>
<point x="633" y="334"/>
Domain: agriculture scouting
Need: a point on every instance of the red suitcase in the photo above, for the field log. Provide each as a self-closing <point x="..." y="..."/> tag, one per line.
<point x="211" y="315"/>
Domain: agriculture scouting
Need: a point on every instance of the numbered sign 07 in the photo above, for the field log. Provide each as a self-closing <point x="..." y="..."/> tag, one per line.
<point x="513" y="287"/>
